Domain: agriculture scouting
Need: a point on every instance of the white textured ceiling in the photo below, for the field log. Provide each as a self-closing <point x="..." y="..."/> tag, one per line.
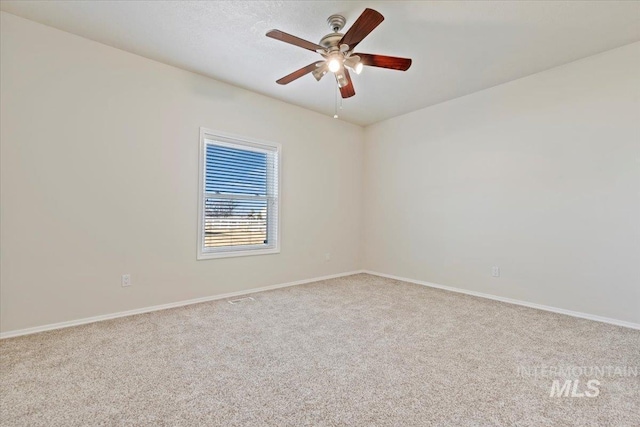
<point x="457" y="47"/>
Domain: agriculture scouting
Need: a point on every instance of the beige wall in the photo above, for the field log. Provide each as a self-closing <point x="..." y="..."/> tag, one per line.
<point x="540" y="176"/>
<point x="99" y="175"/>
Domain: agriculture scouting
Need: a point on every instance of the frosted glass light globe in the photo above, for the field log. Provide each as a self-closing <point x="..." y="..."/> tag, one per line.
<point x="334" y="65"/>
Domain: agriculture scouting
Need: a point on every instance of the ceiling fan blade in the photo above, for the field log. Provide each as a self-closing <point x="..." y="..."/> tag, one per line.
<point x="369" y="20"/>
<point x="383" y="61"/>
<point x="348" y="90"/>
<point x="296" y="41"/>
<point x="299" y="73"/>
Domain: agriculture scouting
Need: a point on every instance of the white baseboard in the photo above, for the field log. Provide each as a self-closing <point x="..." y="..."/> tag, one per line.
<point x="93" y="319"/>
<point x="512" y="301"/>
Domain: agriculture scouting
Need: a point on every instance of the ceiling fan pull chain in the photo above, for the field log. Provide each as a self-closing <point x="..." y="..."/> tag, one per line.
<point x="335" y="115"/>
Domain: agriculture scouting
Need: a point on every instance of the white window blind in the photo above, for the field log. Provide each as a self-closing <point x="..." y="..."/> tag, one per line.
<point x="239" y="196"/>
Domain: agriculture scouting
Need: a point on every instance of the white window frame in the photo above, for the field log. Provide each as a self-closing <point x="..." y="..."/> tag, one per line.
<point x="234" y="140"/>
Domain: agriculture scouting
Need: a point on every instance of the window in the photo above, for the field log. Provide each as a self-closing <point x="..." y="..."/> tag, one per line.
<point x="238" y="211"/>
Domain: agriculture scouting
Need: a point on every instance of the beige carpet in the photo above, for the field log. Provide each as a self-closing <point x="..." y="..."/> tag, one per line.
<point x="357" y="351"/>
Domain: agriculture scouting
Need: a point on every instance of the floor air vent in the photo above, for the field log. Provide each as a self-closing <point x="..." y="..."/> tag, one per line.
<point x="239" y="300"/>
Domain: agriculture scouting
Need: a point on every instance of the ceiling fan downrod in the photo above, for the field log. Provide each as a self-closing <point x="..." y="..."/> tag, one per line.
<point x="336" y="22"/>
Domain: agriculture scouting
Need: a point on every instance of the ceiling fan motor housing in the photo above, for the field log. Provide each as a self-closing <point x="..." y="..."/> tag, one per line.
<point x="330" y="41"/>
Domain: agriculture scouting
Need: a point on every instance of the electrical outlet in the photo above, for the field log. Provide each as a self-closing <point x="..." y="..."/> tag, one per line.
<point x="495" y="271"/>
<point x="327" y="256"/>
<point x="126" y="280"/>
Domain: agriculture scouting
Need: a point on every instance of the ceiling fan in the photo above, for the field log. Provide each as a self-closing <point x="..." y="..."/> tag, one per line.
<point x="337" y="49"/>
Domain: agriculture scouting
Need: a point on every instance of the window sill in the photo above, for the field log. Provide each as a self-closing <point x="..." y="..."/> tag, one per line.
<point x="231" y="254"/>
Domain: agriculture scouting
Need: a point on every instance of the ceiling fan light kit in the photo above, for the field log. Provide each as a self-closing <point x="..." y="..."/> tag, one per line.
<point x="337" y="49"/>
